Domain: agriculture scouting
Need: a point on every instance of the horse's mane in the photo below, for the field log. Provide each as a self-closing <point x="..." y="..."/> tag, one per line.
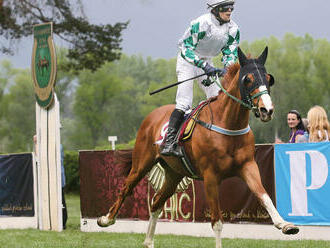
<point x="231" y="73"/>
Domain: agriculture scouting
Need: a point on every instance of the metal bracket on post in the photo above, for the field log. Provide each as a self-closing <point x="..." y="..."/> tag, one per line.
<point x="112" y="140"/>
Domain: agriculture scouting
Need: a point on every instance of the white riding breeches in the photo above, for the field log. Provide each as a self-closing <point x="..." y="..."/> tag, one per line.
<point x="184" y="94"/>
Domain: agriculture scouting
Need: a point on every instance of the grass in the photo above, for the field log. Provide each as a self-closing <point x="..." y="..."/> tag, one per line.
<point x="72" y="237"/>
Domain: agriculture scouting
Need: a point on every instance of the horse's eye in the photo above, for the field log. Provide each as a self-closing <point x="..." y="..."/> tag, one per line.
<point x="246" y="79"/>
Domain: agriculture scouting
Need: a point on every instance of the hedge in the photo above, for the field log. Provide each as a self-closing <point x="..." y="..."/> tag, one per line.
<point x="71" y="167"/>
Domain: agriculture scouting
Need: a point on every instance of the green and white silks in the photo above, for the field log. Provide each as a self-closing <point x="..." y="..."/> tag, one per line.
<point x="202" y="41"/>
<point x="206" y="38"/>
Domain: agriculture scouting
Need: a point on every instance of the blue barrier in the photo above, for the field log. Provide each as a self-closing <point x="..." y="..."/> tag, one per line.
<point x="303" y="183"/>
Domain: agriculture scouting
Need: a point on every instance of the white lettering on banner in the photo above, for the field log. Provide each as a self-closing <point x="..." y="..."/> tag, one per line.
<point x="319" y="175"/>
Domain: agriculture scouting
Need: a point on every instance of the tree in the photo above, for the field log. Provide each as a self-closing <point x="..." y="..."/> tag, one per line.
<point x="18" y="113"/>
<point x="301" y="68"/>
<point x="90" y="45"/>
<point x="65" y="84"/>
<point x="92" y="107"/>
<point x="114" y="100"/>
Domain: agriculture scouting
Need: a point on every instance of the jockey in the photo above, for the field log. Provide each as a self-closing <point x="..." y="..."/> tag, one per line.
<point x="207" y="36"/>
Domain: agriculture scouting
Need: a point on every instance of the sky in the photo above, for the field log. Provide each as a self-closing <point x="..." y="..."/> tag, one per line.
<point x="156" y="25"/>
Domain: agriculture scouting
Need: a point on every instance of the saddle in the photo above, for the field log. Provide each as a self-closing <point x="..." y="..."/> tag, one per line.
<point x="188" y="126"/>
<point x="185" y="132"/>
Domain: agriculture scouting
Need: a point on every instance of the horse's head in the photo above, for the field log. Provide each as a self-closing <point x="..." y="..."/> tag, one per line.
<point x="254" y="83"/>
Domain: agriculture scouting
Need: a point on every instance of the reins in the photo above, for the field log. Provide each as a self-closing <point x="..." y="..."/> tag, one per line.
<point x="248" y="105"/>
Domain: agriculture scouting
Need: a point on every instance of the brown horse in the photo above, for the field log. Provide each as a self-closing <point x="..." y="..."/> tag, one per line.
<point x="214" y="155"/>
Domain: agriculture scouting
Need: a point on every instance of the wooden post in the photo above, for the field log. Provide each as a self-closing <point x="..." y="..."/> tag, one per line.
<point x="50" y="188"/>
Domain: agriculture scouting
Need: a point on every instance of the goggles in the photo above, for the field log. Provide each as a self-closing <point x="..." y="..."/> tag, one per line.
<point x="225" y="8"/>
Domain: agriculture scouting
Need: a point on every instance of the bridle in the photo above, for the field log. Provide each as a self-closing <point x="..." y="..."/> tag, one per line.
<point x="248" y="103"/>
<point x="247" y="66"/>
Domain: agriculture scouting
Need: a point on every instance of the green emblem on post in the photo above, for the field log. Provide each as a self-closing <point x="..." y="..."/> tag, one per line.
<point x="44" y="64"/>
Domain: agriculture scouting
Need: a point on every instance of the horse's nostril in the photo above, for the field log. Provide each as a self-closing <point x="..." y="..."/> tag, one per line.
<point x="271" y="111"/>
<point x="265" y="111"/>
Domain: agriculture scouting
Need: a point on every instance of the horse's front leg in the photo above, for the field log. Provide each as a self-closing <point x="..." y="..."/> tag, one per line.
<point x="211" y="184"/>
<point x="250" y="174"/>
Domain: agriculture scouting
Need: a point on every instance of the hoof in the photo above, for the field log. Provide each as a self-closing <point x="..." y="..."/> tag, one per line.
<point x="104" y="221"/>
<point x="290" y="229"/>
<point x="148" y="244"/>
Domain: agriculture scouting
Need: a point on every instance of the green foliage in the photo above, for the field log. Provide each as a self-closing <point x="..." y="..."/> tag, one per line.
<point x="114" y="100"/>
<point x="301" y="70"/>
<point x="17" y="110"/>
<point x="65" y="84"/>
<point x="71" y="167"/>
<point x="91" y="45"/>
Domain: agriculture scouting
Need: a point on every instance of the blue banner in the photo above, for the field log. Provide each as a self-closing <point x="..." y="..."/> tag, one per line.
<point x="303" y="183"/>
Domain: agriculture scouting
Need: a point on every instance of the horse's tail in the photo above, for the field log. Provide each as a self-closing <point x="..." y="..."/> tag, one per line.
<point x="123" y="159"/>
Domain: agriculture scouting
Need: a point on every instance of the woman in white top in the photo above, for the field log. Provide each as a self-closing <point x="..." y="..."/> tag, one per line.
<point x="318" y="124"/>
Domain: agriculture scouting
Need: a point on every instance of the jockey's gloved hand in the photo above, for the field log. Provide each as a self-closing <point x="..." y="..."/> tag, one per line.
<point x="207" y="82"/>
<point x="211" y="71"/>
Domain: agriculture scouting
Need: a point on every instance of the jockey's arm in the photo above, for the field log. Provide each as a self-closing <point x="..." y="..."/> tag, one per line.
<point x="229" y="52"/>
<point x="191" y="39"/>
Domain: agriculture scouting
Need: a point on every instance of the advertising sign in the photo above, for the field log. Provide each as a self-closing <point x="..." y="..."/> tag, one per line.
<point x="303" y="182"/>
<point x="43" y="64"/>
<point x="16" y="184"/>
<point x="100" y="182"/>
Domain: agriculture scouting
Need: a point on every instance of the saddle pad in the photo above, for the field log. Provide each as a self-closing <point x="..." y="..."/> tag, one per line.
<point x="188" y="126"/>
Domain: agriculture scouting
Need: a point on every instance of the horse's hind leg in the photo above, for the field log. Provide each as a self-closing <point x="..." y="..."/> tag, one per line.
<point x="250" y="174"/>
<point x="172" y="179"/>
<point x="141" y="165"/>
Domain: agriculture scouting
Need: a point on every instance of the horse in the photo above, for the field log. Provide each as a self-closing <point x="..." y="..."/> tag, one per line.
<point x="42" y="63"/>
<point x="215" y="156"/>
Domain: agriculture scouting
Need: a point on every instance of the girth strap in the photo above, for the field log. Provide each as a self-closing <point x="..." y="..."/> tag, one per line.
<point x="223" y="130"/>
<point x="188" y="166"/>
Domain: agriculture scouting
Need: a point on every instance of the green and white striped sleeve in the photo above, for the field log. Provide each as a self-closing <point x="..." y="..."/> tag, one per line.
<point x="229" y="52"/>
<point x="190" y="43"/>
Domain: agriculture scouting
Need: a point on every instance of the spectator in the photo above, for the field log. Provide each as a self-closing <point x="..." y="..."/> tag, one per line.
<point x="305" y="137"/>
<point x="64" y="210"/>
<point x="296" y="125"/>
<point x="35" y="147"/>
<point x="318" y="124"/>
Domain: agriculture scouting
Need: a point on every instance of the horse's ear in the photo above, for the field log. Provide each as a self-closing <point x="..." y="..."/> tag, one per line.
<point x="241" y="57"/>
<point x="271" y="80"/>
<point x="262" y="58"/>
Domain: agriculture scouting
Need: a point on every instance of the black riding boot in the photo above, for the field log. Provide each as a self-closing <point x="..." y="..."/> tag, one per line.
<point x="169" y="147"/>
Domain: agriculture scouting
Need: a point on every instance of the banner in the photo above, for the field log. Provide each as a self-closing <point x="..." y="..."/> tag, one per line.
<point x="303" y="182"/>
<point x="100" y="183"/>
<point x="16" y="185"/>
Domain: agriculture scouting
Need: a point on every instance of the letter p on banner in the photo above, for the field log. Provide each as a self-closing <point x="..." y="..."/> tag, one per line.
<point x="302" y="182"/>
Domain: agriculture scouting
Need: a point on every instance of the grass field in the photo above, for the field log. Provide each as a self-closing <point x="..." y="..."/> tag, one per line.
<point x="72" y="237"/>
